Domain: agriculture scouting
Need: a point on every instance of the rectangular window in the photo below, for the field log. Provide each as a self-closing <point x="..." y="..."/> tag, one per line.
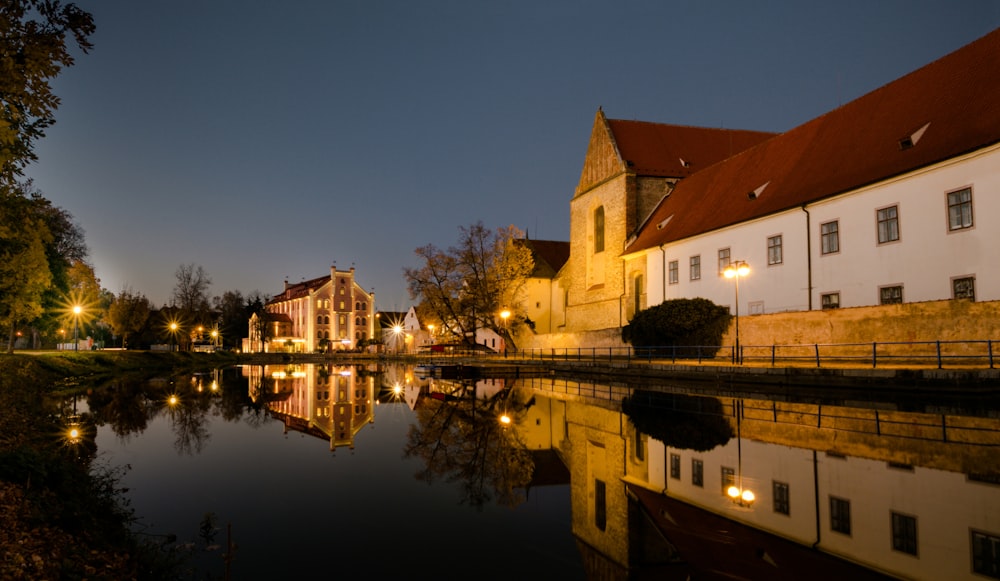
<point x="964" y="288"/>
<point x="890" y="295"/>
<point x="774" y="255"/>
<point x="986" y="554"/>
<point x="782" y="498"/>
<point x="888" y="224"/>
<point x="673" y="271"/>
<point x="904" y="533"/>
<point x="640" y="446"/>
<point x="960" y="209"/>
<point x="840" y="515"/>
<point x="675" y="466"/>
<point x="697" y="472"/>
<point x="695" y="267"/>
<point x="723" y="260"/>
<point x="600" y="506"/>
<point x="728" y="479"/>
<point x="830" y="300"/>
<point x="829" y="237"/>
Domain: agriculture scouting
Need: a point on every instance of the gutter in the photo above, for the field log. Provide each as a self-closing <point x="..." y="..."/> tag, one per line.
<point x="809" y="270"/>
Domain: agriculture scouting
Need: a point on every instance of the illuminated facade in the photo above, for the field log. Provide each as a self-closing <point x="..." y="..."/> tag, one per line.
<point x="328" y="313"/>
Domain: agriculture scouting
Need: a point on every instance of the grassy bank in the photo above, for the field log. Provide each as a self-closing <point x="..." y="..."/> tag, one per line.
<point x="62" y="516"/>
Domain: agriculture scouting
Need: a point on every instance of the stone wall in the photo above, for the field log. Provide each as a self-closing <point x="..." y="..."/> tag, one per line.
<point x="949" y="320"/>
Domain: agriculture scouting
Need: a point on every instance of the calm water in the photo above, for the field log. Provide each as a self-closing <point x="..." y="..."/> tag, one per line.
<point x="320" y="470"/>
<point x="297" y="507"/>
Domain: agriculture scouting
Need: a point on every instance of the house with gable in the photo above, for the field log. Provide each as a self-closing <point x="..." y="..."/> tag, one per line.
<point x="330" y="312"/>
<point x="630" y="167"/>
<point x="887" y="199"/>
<point x="543" y="298"/>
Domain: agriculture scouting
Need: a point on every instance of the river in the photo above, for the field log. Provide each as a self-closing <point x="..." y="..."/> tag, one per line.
<point x="279" y="471"/>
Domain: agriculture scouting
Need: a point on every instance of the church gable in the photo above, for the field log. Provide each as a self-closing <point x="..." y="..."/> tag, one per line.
<point x="603" y="160"/>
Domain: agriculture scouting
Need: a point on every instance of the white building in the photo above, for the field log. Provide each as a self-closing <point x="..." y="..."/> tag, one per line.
<point x="890" y="198"/>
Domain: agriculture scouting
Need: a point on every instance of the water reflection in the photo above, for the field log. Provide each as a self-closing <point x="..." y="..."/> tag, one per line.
<point x="860" y="488"/>
<point x="886" y="492"/>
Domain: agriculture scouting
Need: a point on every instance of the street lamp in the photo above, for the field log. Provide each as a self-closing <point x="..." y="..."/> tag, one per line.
<point x="397" y="330"/>
<point x="736" y="270"/>
<point x="505" y="314"/>
<point x="173" y="336"/>
<point x="77" y="309"/>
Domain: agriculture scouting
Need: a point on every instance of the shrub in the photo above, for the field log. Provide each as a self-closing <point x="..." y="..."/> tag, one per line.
<point x="678" y="322"/>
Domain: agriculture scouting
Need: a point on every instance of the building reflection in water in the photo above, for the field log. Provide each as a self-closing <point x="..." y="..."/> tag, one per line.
<point x="864" y="492"/>
<point x="331" y="402"/>
<point x="854" y="490"/>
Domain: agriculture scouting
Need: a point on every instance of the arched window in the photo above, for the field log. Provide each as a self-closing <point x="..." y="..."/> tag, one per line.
<point x="326" y="334"/>
<point x="326" y="320"/>
<point x="637" y="294"/>
<point x="319" y="334"/>
<point x="319" y="319"/>
<point x="599" y="229"/>
<point x="357" y="306"/>
<point x="357" y="321"/>
<point x="364" y="306"/>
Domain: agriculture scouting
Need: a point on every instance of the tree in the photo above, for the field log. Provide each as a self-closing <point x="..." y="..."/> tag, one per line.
<point x="191" y="290"/>
<point x="24" y="268"/>
<point x="256" y="305"/>
<point x="128" y="313"/>
<point x="33" y="51"/>
<point x="467" y="286"/>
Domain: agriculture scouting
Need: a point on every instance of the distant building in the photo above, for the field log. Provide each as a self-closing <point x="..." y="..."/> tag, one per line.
<point x="327" y="313"/>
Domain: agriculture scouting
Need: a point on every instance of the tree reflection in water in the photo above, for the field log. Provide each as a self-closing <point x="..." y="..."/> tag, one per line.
<point x="461" y="439"/>
<point x="127" y="406"/>
<point x="678" y="420"/>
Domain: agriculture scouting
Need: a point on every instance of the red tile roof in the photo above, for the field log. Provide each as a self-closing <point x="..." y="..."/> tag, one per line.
<point x="657" y="149"/>
<point x="549" y="256"/>
<point x="955" y="100"/>
<point x="299" y="289"/>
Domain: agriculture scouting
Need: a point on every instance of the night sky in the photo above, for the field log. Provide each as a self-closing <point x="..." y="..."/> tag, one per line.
<point x="267" y="140"/>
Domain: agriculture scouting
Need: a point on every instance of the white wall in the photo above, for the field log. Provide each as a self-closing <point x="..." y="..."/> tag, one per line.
<point x="924" y="260"/>
<point x="775" y="288"/>
<point x="927" y="256"/>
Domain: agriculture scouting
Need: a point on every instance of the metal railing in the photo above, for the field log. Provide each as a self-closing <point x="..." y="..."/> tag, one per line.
<point x="969" y="353"/>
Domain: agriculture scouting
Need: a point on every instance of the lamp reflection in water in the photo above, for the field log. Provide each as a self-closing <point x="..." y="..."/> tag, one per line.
<point x="738" y="494"/>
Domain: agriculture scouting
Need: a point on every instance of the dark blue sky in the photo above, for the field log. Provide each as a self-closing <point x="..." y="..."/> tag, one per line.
<point x="266" y="140"/>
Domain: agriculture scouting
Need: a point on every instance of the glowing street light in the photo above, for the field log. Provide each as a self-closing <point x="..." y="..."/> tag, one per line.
<point x="736" y="270"/>
<point x="173" y="335"/>
<point x="77" y="309"/>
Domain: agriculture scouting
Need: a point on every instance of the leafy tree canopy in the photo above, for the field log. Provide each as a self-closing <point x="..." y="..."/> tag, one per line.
<point x="33" y="50"/>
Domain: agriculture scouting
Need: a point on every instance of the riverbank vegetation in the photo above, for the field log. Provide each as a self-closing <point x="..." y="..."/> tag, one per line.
<point x="63" y="514"/>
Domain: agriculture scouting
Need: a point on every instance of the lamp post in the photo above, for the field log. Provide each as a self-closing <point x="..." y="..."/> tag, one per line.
<point x="77" y="309"/>
<point x="505" y="314"/>
<point x="736" y="270"/>
<point x="173" y="336"/>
